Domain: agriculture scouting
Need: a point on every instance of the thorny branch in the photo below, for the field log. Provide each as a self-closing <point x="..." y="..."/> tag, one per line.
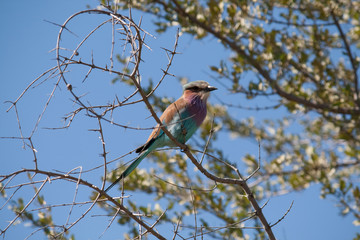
<point x="241" y="182"/>
<point x="60" y="72"/>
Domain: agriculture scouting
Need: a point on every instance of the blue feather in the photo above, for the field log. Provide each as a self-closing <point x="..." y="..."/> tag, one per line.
<point x="130" y="168"/>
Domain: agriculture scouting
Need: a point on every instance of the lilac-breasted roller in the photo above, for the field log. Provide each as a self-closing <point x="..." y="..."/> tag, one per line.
<point x="181" y="119"/>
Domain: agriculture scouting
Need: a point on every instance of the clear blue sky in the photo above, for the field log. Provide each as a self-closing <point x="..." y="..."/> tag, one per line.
<point x="25" y="42"/>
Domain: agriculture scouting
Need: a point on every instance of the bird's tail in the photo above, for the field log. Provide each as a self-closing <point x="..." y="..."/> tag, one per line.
<point x="129" y="169"/>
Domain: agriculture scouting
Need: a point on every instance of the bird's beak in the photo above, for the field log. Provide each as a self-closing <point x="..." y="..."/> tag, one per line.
<point x="211" y="88"/>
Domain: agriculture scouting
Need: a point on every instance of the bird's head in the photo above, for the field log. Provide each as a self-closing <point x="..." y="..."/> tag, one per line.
<point x="199" y="88"/>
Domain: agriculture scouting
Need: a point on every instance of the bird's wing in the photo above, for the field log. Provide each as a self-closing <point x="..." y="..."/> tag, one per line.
<point x="168" y="115"/>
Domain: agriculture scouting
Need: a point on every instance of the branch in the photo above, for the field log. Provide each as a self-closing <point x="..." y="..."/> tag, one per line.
<point x="352" y="60"/>
<point x="100" y="192"/>
<point x="186" y="150"/>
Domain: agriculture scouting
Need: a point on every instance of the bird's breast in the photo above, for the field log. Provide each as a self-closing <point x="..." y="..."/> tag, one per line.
<point x="197" y="111"/>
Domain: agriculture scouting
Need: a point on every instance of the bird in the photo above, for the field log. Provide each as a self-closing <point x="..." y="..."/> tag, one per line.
<point x="181" y="118"/>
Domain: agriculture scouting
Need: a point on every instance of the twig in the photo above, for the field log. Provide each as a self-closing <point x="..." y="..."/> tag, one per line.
<point x="24" y="208"/>
<point x="272" y="225"/>
<point x="176" y="229"/>
<point x="208" y="141"/>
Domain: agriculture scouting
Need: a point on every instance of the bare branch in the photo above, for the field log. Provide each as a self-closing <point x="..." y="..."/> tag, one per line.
<point x="286" y="213"/>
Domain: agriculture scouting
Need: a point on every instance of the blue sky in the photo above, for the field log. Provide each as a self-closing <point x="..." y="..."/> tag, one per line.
<point x="25" y="42"/>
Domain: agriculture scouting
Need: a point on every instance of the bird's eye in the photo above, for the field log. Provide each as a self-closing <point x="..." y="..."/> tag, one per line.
<point x="195" y="89"/>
